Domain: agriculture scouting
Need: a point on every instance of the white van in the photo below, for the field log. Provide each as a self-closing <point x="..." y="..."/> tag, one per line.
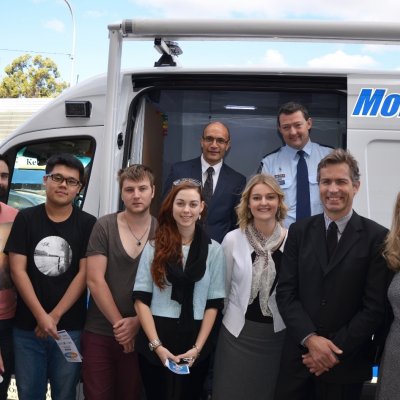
<point x="155" y="116"/>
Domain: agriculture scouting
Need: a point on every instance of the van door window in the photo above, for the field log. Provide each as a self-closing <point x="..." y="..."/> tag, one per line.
<point x="27" y="189"/>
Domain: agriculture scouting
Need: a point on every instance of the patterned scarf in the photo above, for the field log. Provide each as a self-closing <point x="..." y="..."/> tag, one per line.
<point x="263" y="272"/>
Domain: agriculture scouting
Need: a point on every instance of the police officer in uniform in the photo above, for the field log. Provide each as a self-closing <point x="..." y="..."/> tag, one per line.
<point x="295" y="164"/>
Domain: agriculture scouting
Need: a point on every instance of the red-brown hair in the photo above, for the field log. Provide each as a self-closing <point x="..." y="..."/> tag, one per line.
<point x="168" y="241"/>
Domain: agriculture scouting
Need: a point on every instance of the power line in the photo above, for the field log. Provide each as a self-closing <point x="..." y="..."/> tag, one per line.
<point x="37" y="52"/>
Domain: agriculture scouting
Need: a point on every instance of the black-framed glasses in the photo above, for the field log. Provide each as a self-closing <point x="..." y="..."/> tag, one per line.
<point x="212" y="139"/>
<point x="58" y="178"/>
<point x="187" y="180"/>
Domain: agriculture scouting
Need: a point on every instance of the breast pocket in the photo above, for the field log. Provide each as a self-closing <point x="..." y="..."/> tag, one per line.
<point x="314" y="194"/>
<point x="285" y="181"/>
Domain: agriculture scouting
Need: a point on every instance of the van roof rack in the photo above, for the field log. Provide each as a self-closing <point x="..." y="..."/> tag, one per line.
<point x="195" y="29"/>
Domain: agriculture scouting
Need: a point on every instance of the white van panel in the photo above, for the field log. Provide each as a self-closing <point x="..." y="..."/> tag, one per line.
<point x="382" y="99"/>
<point x="374" y="139"/>
<point x="379" y="160"/>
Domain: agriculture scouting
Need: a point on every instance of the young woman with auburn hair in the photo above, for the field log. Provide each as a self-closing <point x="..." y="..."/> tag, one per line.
<point x="179" y="287"/>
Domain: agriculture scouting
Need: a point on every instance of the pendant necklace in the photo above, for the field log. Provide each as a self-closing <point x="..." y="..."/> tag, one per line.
<point x="138" y="240"/>
<point x="187" y="242"/>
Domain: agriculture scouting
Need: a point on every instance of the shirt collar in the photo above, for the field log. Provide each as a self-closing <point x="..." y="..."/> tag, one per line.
<point x="341" y="222"/>
<point x="306" y="149"/>
<point x="205" y="165"/>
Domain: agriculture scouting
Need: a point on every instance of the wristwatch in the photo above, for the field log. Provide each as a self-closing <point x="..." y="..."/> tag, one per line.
<point x="154" y="344"/>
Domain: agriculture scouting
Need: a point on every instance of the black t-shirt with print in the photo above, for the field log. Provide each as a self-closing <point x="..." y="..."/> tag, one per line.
<point x="54" y="251"/>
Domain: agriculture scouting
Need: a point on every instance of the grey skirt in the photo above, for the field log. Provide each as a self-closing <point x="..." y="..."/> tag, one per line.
<point x="247" y="367"/>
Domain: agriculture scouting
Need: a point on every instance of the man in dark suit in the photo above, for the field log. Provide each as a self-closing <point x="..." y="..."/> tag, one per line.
<point x="331" y="292"/>
<point x="222" y="186"/>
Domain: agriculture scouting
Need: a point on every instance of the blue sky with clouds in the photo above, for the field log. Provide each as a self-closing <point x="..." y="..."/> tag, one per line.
<point x="45" y="27"/>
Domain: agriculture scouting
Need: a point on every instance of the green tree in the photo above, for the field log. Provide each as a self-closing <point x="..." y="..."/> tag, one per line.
<point x="29" y="76"/>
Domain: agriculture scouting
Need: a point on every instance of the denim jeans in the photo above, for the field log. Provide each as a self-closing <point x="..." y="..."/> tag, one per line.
<point x="39" y="360"/>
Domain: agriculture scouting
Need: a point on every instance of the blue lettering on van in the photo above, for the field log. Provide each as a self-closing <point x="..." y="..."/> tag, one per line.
<point x="375" y="102"/>
<point x="391" y="105"/>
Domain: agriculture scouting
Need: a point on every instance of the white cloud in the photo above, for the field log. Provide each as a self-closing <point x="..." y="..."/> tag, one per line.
<point x="356" y="10"/>
<point x="340" y="59"/>
<point x="380" y="48"/>
<point x="273" y="58"/>
<point x="96" y="13"/>
<point x="54" y="25"/>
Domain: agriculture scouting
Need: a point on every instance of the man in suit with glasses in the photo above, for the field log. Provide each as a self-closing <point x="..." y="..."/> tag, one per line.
<point x="222" y="186"/>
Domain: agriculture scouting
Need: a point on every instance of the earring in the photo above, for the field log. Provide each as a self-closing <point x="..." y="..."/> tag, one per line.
<point x="199" y="217"/>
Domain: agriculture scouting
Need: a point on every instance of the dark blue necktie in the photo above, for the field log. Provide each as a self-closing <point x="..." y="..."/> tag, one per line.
<point x="303" y="208"/>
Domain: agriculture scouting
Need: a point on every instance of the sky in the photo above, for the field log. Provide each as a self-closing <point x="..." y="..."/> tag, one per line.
<point x="45" y="27"/>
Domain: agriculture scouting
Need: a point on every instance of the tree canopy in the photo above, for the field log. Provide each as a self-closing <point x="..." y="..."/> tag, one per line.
<point x="29" y="76"/>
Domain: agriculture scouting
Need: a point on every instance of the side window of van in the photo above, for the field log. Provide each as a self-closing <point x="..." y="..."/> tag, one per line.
<point x="27" y="189"/>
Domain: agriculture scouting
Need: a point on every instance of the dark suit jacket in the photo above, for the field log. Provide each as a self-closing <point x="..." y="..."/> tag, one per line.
<point x="343" y="300"/>
<point x="221" y="215"/>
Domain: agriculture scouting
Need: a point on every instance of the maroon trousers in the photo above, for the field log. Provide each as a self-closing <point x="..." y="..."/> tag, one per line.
<point x="108" y="372"/>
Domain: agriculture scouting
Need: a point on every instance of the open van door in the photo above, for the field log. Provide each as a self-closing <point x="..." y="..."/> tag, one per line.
<point x="170" y="111"/>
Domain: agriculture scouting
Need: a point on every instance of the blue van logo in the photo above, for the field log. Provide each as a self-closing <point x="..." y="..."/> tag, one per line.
<point x="376" y="102"/>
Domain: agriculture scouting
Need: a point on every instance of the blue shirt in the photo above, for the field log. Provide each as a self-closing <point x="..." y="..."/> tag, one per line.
<point x="210" y="286"/>
<point x="282" y="164"/>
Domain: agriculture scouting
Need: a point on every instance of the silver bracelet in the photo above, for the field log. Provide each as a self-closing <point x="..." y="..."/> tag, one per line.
<point x="154" y="344"/>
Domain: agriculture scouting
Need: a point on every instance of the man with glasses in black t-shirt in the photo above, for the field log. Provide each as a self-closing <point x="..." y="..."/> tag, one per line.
<point x="47" y="247"/>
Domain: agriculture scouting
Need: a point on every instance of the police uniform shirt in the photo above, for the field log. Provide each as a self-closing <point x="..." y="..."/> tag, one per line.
<point x="282" y="164"/>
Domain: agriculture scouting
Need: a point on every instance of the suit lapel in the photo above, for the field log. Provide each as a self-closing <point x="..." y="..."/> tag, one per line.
<point x="347" y="241"/>
<point x="319" y="241"/>
<point x="221" y="183"/>
<point x="196" y="172"/>
<point x="243" y="253"/>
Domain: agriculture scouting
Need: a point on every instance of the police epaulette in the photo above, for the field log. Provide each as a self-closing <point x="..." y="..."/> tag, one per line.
<point x="272" y="152"/>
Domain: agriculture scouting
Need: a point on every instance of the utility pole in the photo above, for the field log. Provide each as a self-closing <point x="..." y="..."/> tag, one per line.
<point x="72" y="55"/>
